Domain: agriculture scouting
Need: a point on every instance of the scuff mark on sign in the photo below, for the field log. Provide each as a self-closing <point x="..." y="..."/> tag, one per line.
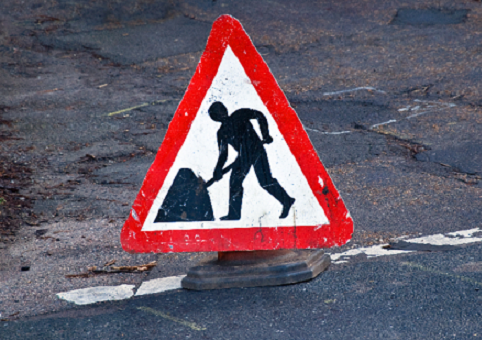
<point x="134" y="214"/>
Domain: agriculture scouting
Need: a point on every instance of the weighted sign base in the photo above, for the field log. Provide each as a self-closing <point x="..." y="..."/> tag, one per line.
<point x="256" y="268"/>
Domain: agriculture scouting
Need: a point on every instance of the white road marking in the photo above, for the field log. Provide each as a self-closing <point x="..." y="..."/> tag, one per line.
<point x="326" y="132"/>
<point x="373" y="251"/>
<point x="369" y="88"/>
<point x="426" y="106"/>
<point x="435" y="102"/>
<point x="453" y="238"/>
<point x="384" y="123"/>
<point x="417" y="114"/>
<point x="418" y="110"/>
<point x="103" y="293"/>
<point x="91" y="295"/>
<point x="160" y="285"/>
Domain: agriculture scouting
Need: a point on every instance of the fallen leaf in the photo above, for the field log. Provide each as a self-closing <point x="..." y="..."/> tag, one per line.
<point x="140" y="268"/>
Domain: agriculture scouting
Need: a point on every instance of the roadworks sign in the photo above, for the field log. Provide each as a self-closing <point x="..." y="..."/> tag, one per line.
<point x="236" y="170"/>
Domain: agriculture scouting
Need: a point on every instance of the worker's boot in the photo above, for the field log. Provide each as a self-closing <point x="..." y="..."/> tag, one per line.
<point x="277" y="191"/>
<point x="287" y="206"/>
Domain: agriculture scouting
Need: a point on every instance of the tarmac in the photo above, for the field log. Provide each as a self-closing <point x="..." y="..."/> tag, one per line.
<point x="388" y="91"/>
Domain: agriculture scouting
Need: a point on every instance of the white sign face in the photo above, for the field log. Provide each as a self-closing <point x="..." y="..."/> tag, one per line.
<point x="200" y="153"/>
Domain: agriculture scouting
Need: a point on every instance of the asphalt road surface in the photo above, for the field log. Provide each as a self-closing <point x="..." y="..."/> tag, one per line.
<point x="388" y="91"/>
<point x="417" y="297"/>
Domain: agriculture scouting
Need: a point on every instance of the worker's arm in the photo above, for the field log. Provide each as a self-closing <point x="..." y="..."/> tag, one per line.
<point x="223" y="157"/>
<point x="263" y="123"/>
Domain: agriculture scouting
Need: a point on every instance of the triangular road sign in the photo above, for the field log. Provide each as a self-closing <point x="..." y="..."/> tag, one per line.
<point x="236" y="170"/>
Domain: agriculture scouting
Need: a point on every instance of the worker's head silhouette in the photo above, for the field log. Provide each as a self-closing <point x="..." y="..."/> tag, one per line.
<point x="218" y="112"/>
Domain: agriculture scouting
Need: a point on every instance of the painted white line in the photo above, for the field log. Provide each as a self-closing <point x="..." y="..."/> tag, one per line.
<point x="91" y="295"/>
<point x="453" y="238"/>
<point x="418" y="114"/>
<point x="384" y="123"/>
<point x="103" y="293"/>
<point x="369" y="88"/>
<point x="434" y="102"/>
<point x="373" y="251"/>
<point x="160" y="285"/>
<point x="328" y="133"/>
<point x="423" y="106"/>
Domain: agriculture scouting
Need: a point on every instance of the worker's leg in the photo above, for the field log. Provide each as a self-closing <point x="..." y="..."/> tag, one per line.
<point x="238" y="174"/>
<point x="270" y="184"/>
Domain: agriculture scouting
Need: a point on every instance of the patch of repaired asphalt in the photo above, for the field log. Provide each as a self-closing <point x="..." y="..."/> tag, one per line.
<point x="135" y="45"/>
<point x="466" y="157"/>
<point x="339" y="149"/>
<point x="429" y="16"/>
<point x="390" y="193"/>
<point x="341" y="116"/>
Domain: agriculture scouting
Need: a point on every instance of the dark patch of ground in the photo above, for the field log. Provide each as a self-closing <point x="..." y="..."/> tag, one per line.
<point x="429" y="16"/>
<point x="14" y="207"/>
<point x="14" y="177"/>
<point x="465" y="158"/>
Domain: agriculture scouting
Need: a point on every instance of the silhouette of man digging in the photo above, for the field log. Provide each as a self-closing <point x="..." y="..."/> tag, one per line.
<point x="236" y="130"/>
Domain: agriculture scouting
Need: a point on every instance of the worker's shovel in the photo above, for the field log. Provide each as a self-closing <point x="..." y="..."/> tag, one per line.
<point x="224" y="171"/>
<point x="188" y="198"/>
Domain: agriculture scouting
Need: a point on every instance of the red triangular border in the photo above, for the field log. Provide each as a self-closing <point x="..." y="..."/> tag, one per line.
<point x="228" y="31"/>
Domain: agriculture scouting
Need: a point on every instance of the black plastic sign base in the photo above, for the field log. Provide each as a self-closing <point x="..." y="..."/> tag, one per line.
<point x="256" y="268"/>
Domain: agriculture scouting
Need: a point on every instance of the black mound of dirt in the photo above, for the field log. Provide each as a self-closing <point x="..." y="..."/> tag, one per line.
<point x="186" y="200"/>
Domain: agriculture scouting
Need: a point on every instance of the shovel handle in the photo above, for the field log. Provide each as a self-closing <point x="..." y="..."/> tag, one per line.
<point x="224" y="171"/>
